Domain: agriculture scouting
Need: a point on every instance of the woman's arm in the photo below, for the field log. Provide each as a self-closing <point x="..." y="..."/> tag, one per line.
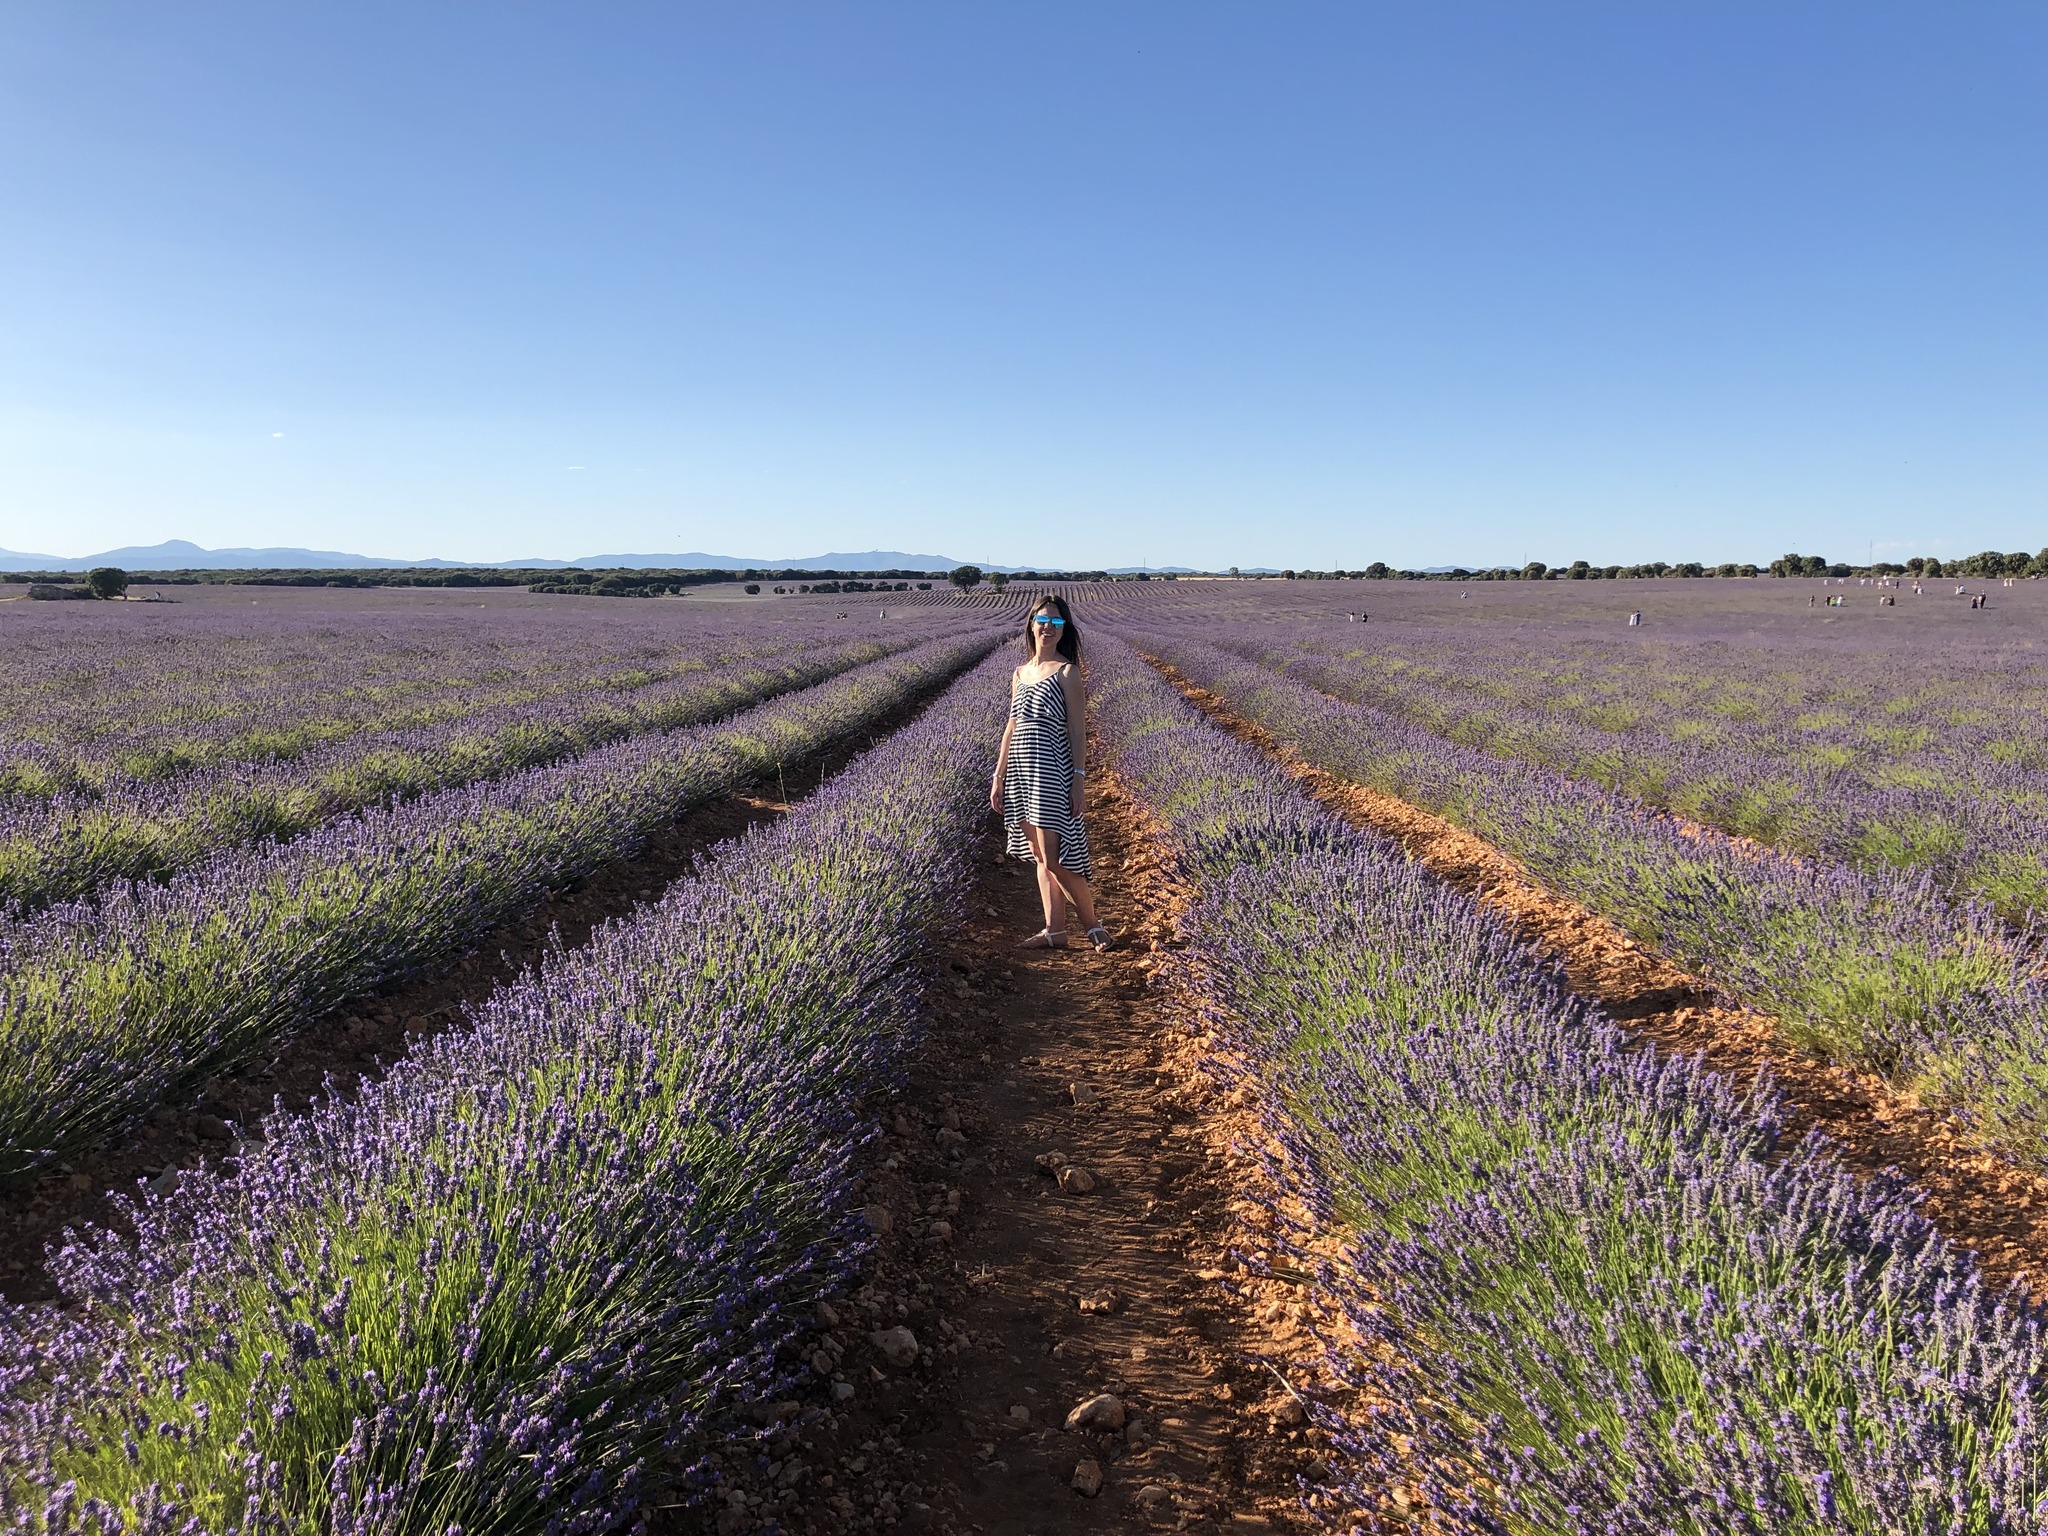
<point x="995" y="788"/>
<point x="1077" y="725"/>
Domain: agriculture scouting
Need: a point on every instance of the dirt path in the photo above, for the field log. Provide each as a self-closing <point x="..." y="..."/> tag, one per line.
<point x="1025" y="1295"/>
<point x="1976" y="1197"/>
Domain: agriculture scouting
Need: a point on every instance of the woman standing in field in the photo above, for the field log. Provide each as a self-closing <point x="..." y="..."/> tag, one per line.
<point x="1038" y="783"/>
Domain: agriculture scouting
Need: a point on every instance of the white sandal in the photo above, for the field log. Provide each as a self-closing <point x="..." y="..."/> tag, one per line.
<point x="1043" y="939"/>
<point x="1101" y="938"/>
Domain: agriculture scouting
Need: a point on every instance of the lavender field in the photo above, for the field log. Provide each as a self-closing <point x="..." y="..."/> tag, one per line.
<point x="548" y="1270"/>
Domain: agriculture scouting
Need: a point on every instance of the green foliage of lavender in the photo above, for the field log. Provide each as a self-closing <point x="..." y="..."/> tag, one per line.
<point x="106" y="1005"/>
<point x="1589" y="1291"/>
<point x="1870" y="758"/>
<point x="54" y="850"/>
<point x="518" y="1285"/>
<point x="1874" y="968"/>
<point x="126" y="695"/>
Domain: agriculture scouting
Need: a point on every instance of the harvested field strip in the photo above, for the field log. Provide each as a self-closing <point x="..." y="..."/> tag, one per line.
<point x="530" y="1276"/>
<point x="104" y="1010"/>
<point x="60" y="850"/>
<point x="1598" y="1289"/>
<point x="1876" y="972"/>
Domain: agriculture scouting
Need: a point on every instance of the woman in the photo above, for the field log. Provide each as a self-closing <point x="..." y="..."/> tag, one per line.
<point x="1038" y="783"/>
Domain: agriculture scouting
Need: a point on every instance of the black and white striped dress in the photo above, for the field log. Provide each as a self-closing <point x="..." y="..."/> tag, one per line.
<point x="1039" y="774"/>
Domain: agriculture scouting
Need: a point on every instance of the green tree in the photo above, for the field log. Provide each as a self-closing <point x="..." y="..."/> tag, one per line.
<point x="107" y="581"/>
<point x="998" y="580"/>
<point x="965" y="576"/>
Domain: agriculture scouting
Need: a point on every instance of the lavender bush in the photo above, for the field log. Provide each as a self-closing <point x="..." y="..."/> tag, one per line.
<point x="1857" y="761"/>
<point x="1588" y="1290"/>
<point x="513" y="1287"/>
<point x="61" y="847"/>
<point x="106" y="1005"/>
<point x="1875" y="968"/>
<point x="123" y="694"/>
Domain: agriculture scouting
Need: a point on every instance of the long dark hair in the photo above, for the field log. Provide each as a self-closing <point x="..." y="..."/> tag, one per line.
<point x="1070" y="634"/>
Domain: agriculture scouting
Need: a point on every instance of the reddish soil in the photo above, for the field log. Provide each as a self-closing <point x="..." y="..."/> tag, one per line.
<point x="1976" y="1197"/>
<point x="1026" y="1299"/>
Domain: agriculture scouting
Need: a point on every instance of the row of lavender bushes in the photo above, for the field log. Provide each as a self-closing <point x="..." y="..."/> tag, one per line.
<point x="60" y="848"/>
<point x="1952" y="780"/>
<point x="154" y="692"/>
<point x="515" y="1286"/>
<point x="1586" y="1289"/>
<point x="106" y="1006"/>
<point x="1872" y="968"/>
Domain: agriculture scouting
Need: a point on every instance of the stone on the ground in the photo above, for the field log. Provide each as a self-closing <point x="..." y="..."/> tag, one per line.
<point x="880" y="1221"/>
<point x="1151" y="1496"/>
<point x="949" y="1140"/>
<point x="1289" y="1413"/>
<point x="950" y="1119"/>
<point x="1076" y="1181"/>
<point x="896" y="1345"/>
<point x="1051" y="1162"/>
<point x="903" y="1126"/>
<point x="1020" y="1412"/>
<point x="841" y="1391"/>
<point x="1103" y="1411"/>
<point x="941" y="1229"/>
<point x="1084" y="1095"/>
<point x="1088" y="1477"/>
<point x="213" y="1128"/>
<point x="828" y="1315"/>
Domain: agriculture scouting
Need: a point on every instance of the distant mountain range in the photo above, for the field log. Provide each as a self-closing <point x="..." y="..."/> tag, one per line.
<point x="179" y="555"/>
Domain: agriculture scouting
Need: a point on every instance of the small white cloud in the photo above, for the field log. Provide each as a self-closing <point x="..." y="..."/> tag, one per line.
<point x="277" y="434"/>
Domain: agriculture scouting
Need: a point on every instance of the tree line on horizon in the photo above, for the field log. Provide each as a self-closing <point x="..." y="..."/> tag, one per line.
<point x="109" y="582"/>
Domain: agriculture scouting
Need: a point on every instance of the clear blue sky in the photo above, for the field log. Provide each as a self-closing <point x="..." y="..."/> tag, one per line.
<point x="1079" y="284"/>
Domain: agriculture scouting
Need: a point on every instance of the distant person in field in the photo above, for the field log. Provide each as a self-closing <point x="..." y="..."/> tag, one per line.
<point x="1038" y="784"/>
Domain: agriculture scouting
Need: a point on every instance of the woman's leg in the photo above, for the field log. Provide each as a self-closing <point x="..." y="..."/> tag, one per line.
<point x="1050" y="896"/>
<point x="1072" y="887"/>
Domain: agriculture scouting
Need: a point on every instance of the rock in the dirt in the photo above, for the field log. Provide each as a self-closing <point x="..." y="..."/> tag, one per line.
<point x="1051" y="1162"/>
<point x="1020" y="1412"/>
<point x="1289" y="1414"/>
<point x="841" y="1391"/>
<point x="1083" y="1094"/>
<point x="941" y="1229"/>
<point x="1076" y="1181"/>
<point x="828" y="1315"/>
<point x="1151" y="1496"/>
<point x="822" y="1362"/>
<point x="1088" y="1478"/>
<point x="950" y="1119"/>
<point x="903" y="1126"/>
<point x="896" y="1345"/>
<point x="1102" y="1411"/>
<point x="80" y="1181"/>
<point x="166" y="1182"/>
<point x="880" y="1221"/>
<point x="213" y="1128"/>
<point x="949" y="1140"/>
